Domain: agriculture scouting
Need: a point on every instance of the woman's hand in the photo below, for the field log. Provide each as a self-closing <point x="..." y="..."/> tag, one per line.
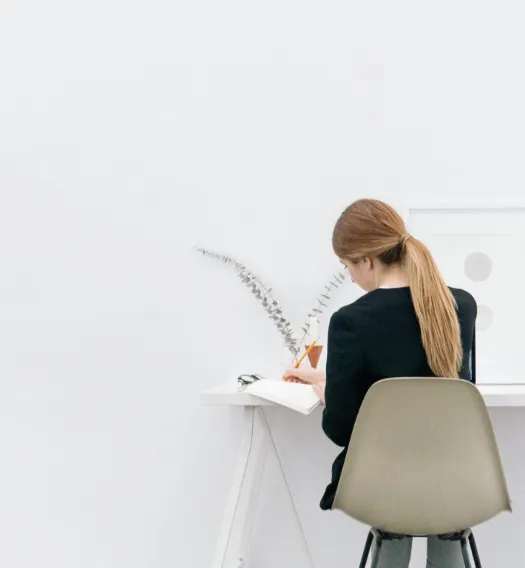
<point x="319" y="391"/>
<point x="304" y="375"/>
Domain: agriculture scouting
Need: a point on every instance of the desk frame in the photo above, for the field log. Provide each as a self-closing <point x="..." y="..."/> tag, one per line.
<point x="241" y="485"/>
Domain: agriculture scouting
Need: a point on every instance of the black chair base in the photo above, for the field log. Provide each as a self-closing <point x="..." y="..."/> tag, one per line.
<point x="465" y="537"/>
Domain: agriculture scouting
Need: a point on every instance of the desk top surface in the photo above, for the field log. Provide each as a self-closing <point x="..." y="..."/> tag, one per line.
<point x="228" y="394"/>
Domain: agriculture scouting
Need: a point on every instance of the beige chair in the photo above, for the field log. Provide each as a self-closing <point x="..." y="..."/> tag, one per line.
<point x="422" y="460"/>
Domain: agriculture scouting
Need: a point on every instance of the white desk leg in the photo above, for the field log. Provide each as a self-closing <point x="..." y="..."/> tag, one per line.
<point x="268" y="432"/>
<point x="236" y="488"/>
<point x="241" y="484"/>
<point x="252" y="502"/>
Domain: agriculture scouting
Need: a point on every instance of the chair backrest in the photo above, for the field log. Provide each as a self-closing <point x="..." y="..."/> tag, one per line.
<point x="422" y="459"/>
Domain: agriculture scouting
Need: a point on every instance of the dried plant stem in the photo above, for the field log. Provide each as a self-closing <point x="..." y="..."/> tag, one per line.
<point x="322" y="300"/>
<point x="263" y="293"/>
<point x="273" y="308"/>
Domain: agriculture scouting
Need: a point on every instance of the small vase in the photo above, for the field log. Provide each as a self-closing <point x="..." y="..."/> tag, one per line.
<point x="315" y="355"/>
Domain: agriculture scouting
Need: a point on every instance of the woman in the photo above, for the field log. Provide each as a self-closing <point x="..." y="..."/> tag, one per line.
<point x="408" y="324"/>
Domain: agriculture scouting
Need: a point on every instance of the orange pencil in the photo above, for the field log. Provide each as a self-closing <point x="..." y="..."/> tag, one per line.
<point x="310" y="347"/>
<point x="296" y="366"/>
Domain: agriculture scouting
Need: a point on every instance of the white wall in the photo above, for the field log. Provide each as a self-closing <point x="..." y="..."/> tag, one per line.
<point x="131" y="130"/>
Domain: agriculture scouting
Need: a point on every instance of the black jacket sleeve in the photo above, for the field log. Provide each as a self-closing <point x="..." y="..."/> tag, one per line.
<point x="345" y="381"/>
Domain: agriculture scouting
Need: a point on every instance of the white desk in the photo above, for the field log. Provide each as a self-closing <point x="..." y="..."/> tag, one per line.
<point x="228" y="394"/>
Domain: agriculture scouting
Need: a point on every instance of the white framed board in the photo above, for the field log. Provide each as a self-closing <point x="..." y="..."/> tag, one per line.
<point x="481" y="248"/>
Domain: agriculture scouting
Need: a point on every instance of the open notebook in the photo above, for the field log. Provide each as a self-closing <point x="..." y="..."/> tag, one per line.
<point x="297" y="396"/>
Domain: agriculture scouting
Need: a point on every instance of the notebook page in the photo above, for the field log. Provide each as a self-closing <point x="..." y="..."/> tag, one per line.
<point x="298" y="397"/>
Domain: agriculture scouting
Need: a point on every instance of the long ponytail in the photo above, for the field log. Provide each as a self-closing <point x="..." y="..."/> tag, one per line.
<point x="372" y="228"/>
<point x="435" y="308"/>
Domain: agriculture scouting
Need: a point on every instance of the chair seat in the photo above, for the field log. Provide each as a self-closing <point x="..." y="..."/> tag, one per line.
<point x="465" y="538"/>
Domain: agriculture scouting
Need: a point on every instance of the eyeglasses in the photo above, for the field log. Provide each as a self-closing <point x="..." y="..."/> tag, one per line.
<point x="246" y="380"/>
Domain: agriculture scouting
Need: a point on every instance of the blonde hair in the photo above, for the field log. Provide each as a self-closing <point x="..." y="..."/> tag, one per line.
<point x="371" y="228"/>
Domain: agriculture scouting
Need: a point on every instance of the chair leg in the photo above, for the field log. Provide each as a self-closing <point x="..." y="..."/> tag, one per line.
<point x="366" y="550"/>
<point x="474" y="549"/>
<point x="464" y="550"/>
<point x="377" y="551"/>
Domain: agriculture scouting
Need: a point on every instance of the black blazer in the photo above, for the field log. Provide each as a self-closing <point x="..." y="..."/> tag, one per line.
<point x="375" y="338"/>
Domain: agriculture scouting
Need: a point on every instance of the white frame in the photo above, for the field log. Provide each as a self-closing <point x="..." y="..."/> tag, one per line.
<point x="501" y="206"/>
<point x="442" y="206"/>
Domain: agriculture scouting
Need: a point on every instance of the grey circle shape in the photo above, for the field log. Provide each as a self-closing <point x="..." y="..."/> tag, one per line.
<point x="478" y="266"/>
<point x="485" y="318"/>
